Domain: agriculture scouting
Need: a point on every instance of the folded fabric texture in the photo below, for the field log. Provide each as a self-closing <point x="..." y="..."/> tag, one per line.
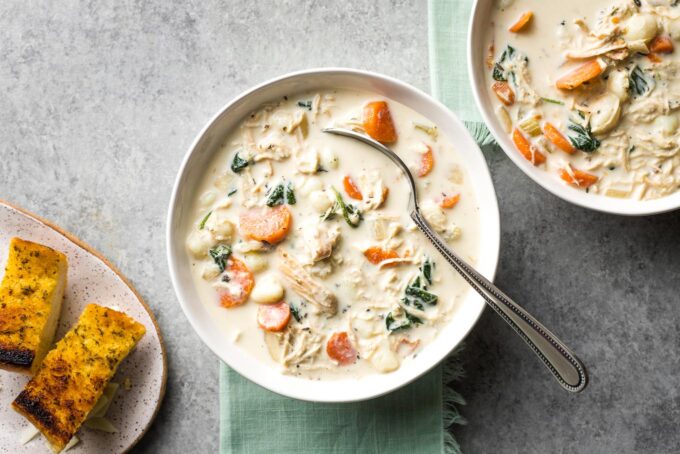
<point x="448" y="28"/>
<point x="415" y="419"/>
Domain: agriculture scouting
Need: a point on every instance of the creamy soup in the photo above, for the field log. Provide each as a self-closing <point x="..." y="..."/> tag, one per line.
<point x="301" y="244"/>
<point x="590" y="90"/>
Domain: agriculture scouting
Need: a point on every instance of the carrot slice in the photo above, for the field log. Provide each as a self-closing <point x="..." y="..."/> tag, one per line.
<point x="527" y="150"/>
<point x="378" y="122"/>
<point x="578" y="178"/>
<point x="584" y="73"/>
<point x="522" y="22"/>
<point x="426" y="163"/>
<point x="270" y="225"/>
<point x="504" y="93"/>
<point x="555" y="136"/>
<point x="339" y="348"/>
<point x="240" y="284"/>
<point x="654" y="58"/>
<point x="661" y="45"/>
<point x="377" y="255"/>
<point x="351" y="189"/>
<point x="449" y="201"/>
<point x="273" y="317"/>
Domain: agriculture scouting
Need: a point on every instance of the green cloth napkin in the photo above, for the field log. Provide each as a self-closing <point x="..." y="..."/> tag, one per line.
<point x="448" y="28"/>
<point x="414" y="419"/>
<point x="410" y="420"/>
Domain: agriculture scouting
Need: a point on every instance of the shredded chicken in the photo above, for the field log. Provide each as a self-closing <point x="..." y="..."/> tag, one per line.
<point x="249" y="189"/>
<point x="598" y="48"/>
<point x="308" y="161"/>
<point x="305" y="285"/>
<point x="518" y="65"/>
<point x="437" y="219"/>
<point x="296" y="345"/>
<point x="318" y="240"/>
<point x="272" y="146"/>
<point x="298" y="121"/>
<point x="372" y="189"/>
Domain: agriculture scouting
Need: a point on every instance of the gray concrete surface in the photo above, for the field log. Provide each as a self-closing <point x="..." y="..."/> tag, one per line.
<point x="100" y="100"/>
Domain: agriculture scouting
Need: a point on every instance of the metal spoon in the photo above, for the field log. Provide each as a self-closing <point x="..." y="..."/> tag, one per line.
<point x="564" y="365"/>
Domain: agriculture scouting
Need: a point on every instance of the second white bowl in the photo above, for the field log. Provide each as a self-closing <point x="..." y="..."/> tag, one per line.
<point x="477" y="51"/>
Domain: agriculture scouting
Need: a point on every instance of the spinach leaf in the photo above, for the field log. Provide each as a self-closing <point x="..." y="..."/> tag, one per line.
<point x="238" y="163"/>
<point x="640" y="83"/>
<point x="417" y="296"/>
<point x="201" y="226"/>
<point x="416" y="293"/>
<point x="352" y="215"/>
<point x="275" y="196"/>
<point x="330" y="213"/>
<point x="305" y="104"/>
<point x="350" y="212"/>
<point x="220" y="254"/>
<point x="583" y="138"/>
<point x="498" y="73"/>
<point x="290" y="194"/>
<point x="295" y="312"/>
<point x="402" y="323"/>
<point x="426" y="270"/>
<point x="281" y="194"/>
<point x="507" y="54"/>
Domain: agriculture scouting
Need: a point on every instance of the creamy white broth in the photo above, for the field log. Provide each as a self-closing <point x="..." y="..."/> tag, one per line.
<point x="639" y="152"/>
<point x="365" y="293"/>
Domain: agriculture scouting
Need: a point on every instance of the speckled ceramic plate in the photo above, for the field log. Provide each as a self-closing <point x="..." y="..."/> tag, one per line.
<point x="90" y="279"/>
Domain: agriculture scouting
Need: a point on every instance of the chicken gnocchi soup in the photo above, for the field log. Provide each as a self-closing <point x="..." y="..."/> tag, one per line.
<point x="590" y="91"/>
<point x="301" y="244"/>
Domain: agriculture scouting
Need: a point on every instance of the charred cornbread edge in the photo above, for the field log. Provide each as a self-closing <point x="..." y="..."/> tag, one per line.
<point x="16" y="356"/>
<point x="81" y="244"/>
<point x="13" y="358"/>
<point x="36" y="401"/>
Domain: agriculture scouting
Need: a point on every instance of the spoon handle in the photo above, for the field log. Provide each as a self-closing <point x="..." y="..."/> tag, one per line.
<point x="564" y="365"/>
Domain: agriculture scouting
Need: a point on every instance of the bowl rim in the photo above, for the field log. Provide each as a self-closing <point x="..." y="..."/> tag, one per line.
<point x="596" y="202"/>
<point x="265" y="382"/>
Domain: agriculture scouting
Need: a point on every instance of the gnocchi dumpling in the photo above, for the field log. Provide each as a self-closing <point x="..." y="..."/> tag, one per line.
<point x="606" y="112"/>
<point x="256" y="261"/>
<point x="383" y="358"/>
<point x="666" y="125"/>
<point x="619" y="84"/>
<point x="320" y="201"/>
<point x="199" y="243"/>
<point x="267" y="290"/>
<point x="641" y="27"/>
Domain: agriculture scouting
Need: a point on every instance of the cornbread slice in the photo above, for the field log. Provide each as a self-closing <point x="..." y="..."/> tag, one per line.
<point x="30" y="304"/>
<point x="74" y="374"/>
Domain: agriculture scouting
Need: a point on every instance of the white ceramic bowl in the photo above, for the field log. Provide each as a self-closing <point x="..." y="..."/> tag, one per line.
<point x="197" y="161"/>
<point x="477" y="51"/>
